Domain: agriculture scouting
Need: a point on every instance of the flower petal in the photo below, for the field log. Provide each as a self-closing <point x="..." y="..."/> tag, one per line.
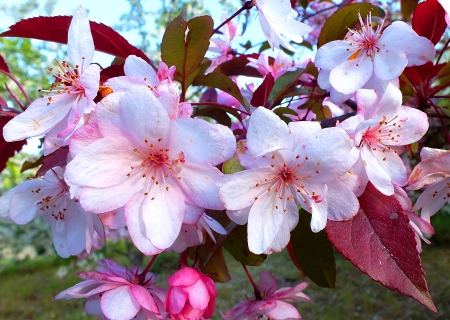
<point x="351" y="75"/>
<point x="119" y="304"/>
<point x="80" y="45"/>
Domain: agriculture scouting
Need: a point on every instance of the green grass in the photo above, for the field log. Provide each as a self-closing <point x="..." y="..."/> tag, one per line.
<point x="27" y="289"/>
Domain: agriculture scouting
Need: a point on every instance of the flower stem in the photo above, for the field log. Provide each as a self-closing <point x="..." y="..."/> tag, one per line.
<point x="247" y="5"/>
<point x="255" y="287"/>
<point x="147" y="269"/>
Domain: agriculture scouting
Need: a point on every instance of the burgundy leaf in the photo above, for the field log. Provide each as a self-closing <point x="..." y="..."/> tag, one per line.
<point x="3" y="103"/>
<point x="55" y="29"/>
<point x="238" y="66"/>
<point x="380" y="242"/>
<point x="429" y="20"/>
<point x="7" y="149"/>
<point x="111" y="72"/>
<point x="55" y="159"/>
<point x="262" y="93"/>
<point x="3" y="66"/>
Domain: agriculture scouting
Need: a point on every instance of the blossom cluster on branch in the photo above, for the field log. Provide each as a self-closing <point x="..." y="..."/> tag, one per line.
<point x="316" y="149"/>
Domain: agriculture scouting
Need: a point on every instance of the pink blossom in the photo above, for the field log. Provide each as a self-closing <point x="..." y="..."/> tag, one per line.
<point x="139" y="72"/>
<point x="277" y="19"/>
<point x="381" y="126"/>
<point x="222" y="46"/>
<point x="48" y="197"/>
<point x="273" y="303"/>
<point x="350" y="63"/>
<point x="71" y="96"/>
<point x="154" y="166"/>
<point x="282" y="64"/>
<point x="118" y="293"/>
<point x="288" y="166"/>
<point x="433" y="174"/>
<point x="191" y="296"/>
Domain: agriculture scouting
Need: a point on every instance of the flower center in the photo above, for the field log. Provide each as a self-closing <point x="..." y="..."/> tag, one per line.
<point x="66" y="81"/>
<point x="364" y="42"/>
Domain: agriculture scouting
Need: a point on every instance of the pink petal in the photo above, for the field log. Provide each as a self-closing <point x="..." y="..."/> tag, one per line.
<point x="201" y="141"/>
<point x="104" y="163"/>
<point x="137" y="67"/>
<point x="93" y="306"/>
<point x="267" y="283"/>
<point x="140" y="103"/>
<point x="184" y="277"/>
<point x="264" y="222"/>
<point x="319" y="215"/>
<point x="162" y="212"/>
<point x="199" y="184"/>
<point x="198" y="295"/>
<point x="136" y="226"/>
<point x="284" y="310"/>
<point x="144" y="298"/>
<point x="379" y="178"/>
<point x="241" y="190"/>
<point x="339" y="210"/>
<point x="175" y="301"/>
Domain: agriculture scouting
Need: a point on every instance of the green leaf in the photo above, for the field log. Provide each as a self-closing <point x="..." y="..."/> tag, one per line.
<point x="231" y="166"/>
<point x="282" y="84"/>
<point x="222" y="82"/>
<point x="408" y="7"/>
<point x="335" y="28"/>
<point x="214" y="265"/>
<point x="285" y="110"/>
<point x="236" y="244"/>
<point x="186" y="52"/>
<point x="214" y="113"/>
<point x="312" y="252"/>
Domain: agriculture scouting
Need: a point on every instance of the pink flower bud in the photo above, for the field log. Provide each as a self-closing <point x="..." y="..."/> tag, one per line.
<point x="191" y="295"/>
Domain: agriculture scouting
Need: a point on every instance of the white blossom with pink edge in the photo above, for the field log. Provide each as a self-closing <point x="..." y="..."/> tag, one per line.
<point x="432" y="173"/>
<point x="351" y="62"/>
<point x="288" y="166"/>
<point x="152" y="165"/>
<point x="380" y="128"/>
<point x="191" y="295"/>
<point x="273" y="303"/>
<point x="118" y="293"/>
<point x="277" y="19"/>
<point x="71" y="96"/>
<point x="48" y="197"/>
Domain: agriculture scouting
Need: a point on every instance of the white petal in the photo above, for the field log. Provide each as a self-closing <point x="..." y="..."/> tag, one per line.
<point x="351" y="75"/>
<point x="137" y="67"/>
<point x="80" y="45"/>
<point x="389" y="63"/>
<point x="267" y="132"/>
<point x="332" y="54"/>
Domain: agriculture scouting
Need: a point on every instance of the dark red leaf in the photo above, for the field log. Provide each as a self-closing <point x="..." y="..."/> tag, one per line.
<point x="3" y="103"/>
<point x="429" y="20"/>
<point x="111" y="72"/>
<point x="262" y="93"/>
<point x="55" y="29"/>
<point x="55" y="159"/>
<point x="380" y="242"/>
<point x="3" y="66"/>
<point x="420" y="75"/>
<point x="7" y="149"/>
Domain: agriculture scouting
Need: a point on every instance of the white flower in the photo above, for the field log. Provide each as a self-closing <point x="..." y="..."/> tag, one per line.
<point x="277" y="19"/>
<point x="350" y="63"/>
